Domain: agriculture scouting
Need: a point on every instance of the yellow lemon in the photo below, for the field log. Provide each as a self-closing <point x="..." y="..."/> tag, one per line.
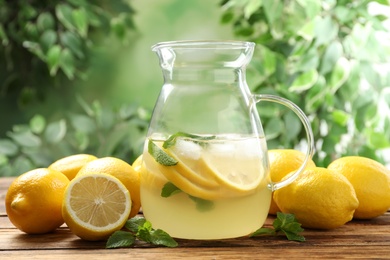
<point x="283" y="162"/>
<point x="33" y="200"/>
<point x="71" y="165"/>
<point x="95" y="206"/>
<point x="371" y="181"/>
<point x="121" y="170"/>
<point x="137" y="162"/>
<point x="139" y="165"/>
<point x="319" y="198"/>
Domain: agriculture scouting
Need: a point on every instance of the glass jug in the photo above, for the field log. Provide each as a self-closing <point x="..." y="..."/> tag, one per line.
<point x="205" y="156"/>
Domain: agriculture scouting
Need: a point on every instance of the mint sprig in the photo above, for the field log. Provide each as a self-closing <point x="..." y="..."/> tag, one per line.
<point x="202" y="205"/>
<point x="169" y="189"/>
<point x="141" y="229"/>
<point x="171" y="141"/>
<point x="285" y="223"/>
<point x="159" y="155"/>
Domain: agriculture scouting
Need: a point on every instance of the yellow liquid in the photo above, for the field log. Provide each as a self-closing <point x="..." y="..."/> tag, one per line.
<point x="230" y="216"/>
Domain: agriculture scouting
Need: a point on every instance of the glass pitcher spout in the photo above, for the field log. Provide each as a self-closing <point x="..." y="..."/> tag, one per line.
<point x="203" y="60"/>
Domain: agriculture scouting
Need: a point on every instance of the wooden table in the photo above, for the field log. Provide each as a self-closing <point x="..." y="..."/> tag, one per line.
<point x="357" y="239"/>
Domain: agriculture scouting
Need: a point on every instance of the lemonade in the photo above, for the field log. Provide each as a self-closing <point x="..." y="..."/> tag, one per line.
<point x="205" y="187"/>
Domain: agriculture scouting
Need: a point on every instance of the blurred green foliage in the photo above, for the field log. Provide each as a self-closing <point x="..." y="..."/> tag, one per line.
<point x="329" y="57"/>
<point x="332" y="58"/>
<point x="53" y="45"/>
<point x="45" y="43"/>
<point x="99" y="130"/>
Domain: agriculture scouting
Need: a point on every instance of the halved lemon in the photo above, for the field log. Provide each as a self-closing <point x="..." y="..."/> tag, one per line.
<point x="95" y="206"/>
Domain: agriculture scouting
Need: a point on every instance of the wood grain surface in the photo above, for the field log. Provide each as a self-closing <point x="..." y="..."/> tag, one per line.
<point x="355" y="240"/>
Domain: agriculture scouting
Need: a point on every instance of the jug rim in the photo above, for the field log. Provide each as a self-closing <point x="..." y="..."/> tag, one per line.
<point x="203" y="44"/>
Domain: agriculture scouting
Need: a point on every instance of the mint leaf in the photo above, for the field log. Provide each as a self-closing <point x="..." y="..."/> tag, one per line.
<point x="144" y="232"/>
<point x="159" y="237"/>
<point x="263" y="231"/>
<point x="294" y="237"/>
<point x="156" y="237"/>
<point x="201" y="204"/>
<point x="169" y="189"/>
<point x="282" y="220"/>
<point x="285" y="223"/>
<point x="171" y="141"/>
<point x="159" y="155"/>
<point x="141" y="229"/>
<point x="135" y="223"/>
<point x="120" y="239"/>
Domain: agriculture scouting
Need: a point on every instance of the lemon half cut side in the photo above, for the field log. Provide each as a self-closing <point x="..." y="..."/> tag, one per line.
<point x="95" y="206"/>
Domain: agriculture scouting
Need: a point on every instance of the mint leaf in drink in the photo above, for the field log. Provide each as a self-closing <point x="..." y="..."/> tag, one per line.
<point x="120" y="239"/>
<point x="171" y="141"/>
<point x="159" y="155"/>
<point x="201" y="204"/>
<point x="169" y="189"/>
<point x="141" y="229"/>
<point x="284" y="223"/>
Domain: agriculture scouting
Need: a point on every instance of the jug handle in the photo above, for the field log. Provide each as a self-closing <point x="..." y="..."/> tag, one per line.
<point x="309" y="135"/>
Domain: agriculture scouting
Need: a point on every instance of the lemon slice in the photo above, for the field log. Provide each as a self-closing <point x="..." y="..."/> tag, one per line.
<point x="95" y="206"/>
<point x="190" y="187"/>
<point x="181" y="176"/>
<point x="186" y="167"/>
<point x="191" y="170"/>
<point x="240" y="175"/>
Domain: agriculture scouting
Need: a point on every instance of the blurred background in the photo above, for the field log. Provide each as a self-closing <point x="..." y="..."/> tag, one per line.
<point x="79" y="76"/>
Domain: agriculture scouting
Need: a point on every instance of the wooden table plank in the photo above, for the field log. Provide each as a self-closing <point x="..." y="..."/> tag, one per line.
<point x="357" y="239"/>
<point x="350" y="234"/>
<point x="5" y="182"/>
<point x="209" y="253"/>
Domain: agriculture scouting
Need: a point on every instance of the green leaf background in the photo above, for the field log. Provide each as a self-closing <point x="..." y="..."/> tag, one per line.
<point x="331" y="61"/>
<point x="79" y="76"/>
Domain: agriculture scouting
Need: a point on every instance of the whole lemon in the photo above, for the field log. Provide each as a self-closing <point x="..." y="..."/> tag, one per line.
<point x="34" y="200"/>
<point x="371" y="181"/>
<point x="283" y="162"/>
<point x="122" y="171"/>
<point x="71" y="165"/>
<point x="319" y="198"/>
<point x="138" y="164"/>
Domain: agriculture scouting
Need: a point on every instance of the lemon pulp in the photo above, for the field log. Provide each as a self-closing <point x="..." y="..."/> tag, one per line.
<point x="96" y="205"/>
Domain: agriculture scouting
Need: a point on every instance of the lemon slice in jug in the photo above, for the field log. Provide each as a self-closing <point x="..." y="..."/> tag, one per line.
<point x="236" y="173"/>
